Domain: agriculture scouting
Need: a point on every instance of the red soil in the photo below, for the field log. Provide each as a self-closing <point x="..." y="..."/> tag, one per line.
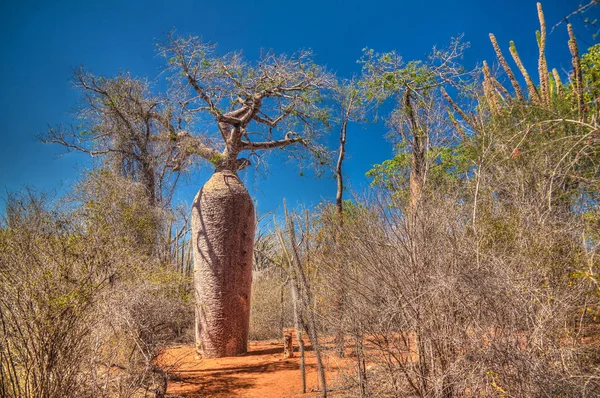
<point x="261" y="373"/>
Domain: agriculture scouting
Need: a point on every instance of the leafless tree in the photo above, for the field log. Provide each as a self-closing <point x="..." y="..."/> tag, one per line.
<point x="123" y="123"/>
<point x="350" y="98"/>
<point x="303" y="297"/>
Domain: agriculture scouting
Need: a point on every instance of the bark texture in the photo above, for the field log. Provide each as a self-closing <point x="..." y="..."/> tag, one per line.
<point x="223" y="224"/>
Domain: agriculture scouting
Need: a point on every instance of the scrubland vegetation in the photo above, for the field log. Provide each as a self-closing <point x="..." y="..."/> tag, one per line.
<point x="469" y="269"/>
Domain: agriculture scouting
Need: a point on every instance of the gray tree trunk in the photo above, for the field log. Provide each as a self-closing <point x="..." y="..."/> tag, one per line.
<point x="223" y="224"/>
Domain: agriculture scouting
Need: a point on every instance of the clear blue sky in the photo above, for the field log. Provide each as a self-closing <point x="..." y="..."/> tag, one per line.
<point x="43" y="41"/>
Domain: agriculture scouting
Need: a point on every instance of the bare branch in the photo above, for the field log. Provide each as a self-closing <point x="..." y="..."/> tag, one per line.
<point x="253" y="146"/>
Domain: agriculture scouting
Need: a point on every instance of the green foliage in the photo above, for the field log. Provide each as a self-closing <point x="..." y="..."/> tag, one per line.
<point x="49" y="281"/>
<point x="446" y="166"/>
<point x="216" y="159"/>
<point x="392" y="174"/>
<point x="590" y="68"/>
<point x="171" y="284"/>
<point x="591" y="219"/>
<point x="386" y="75"/>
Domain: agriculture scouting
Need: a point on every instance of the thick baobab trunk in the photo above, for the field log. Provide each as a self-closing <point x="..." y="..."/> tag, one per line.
<point x="223" y="223"/>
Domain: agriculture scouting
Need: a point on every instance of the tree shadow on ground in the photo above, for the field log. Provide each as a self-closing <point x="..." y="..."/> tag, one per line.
<point x="226" y="382"/>
<point x="266" y="351"/>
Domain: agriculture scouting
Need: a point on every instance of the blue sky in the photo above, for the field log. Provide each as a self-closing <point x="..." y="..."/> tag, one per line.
<point x="43" y="41"/>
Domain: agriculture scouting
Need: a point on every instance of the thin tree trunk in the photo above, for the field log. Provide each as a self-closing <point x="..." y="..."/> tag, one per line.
<point x="148" y="179"/>
<point x="182" y="264"/>
<point x="360" y="363"/>
<point x="339" y="203"/>
<point x="306" y="300"/>
<point x="297" y="306"/>
<point x="282" y="309"/>
<point x="299" y="331"/>
<point x="188" y="260"/>
<point x="338" y="171"/>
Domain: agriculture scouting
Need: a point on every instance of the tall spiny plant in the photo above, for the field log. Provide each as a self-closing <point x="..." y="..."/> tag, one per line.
<point x="577" y="76"/>
<point x="550" y="85"/>
<point x="542" y="65"/>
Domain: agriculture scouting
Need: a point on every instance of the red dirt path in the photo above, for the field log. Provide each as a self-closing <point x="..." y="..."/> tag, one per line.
<point x="261" y="373"/>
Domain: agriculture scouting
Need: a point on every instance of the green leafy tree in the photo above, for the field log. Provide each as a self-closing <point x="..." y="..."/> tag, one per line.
<point x="418" y="119"/>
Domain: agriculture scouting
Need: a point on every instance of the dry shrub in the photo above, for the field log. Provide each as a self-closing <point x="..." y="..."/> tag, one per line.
<point x="83" y="312"/>
<point x="271" y="309"/>
<point x="451" y="309"/>
<point x="140" y="317"/>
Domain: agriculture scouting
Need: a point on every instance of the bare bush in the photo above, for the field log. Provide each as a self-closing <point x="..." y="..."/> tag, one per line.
<point x="84" y="309"/>
<point x="271" y="307"/>
<point x="448" y="312"/>
<point x="139" y="318"/>
<point x="271" y="310"/>
<point x="50" y="276"/>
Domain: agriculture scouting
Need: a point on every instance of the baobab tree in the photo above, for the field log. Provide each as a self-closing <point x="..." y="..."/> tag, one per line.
<point x="273" y="103"/>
